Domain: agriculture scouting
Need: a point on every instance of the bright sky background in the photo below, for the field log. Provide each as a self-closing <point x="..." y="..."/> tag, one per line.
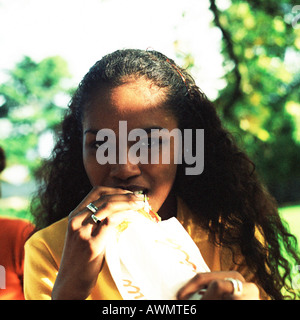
<point x="82" y="31"/>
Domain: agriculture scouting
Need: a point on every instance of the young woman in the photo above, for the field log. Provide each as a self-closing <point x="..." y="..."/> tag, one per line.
<point x="226" y="210"/>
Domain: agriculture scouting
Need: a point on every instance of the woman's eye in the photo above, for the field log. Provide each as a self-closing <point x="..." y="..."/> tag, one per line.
<point x="97" y="144"/>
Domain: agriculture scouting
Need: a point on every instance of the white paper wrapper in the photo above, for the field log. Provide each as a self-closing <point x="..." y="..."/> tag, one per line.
<point x="152" y="261"/>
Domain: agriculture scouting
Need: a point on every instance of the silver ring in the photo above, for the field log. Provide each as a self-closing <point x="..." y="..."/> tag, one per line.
<point x="95" y="219"/>
<point x="237" y="286"/>
<point x="92" y="207"/>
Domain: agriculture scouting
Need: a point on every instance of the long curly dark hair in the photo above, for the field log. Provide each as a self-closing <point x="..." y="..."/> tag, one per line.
<point x="227" y="198"/>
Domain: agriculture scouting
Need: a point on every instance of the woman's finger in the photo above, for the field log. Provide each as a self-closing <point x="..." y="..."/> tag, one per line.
<point x="202" y="280"/>
<point x="109" y="208"/>
<point x="95" y="194"/>
<point x="79" y="214"/>
<point x="250" y="292"/>
<point x="220" y="289"/>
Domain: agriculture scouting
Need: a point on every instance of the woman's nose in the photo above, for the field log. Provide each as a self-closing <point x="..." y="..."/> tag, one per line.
<point x="124" y="171"/>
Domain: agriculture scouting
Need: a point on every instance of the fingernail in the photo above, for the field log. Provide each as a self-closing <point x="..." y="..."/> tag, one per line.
<point x="138" y="192"/>
<point x="139" y="195"/>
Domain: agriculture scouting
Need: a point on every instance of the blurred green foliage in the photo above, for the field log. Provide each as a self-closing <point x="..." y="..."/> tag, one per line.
<point x="29" y="108"/>
<point x="260" y="103"/>
<point x="20" y="213"/>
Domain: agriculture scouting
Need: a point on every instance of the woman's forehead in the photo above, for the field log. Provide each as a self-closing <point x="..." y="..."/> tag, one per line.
<point x="136" y="96"/>
<point x="140" y="106"/>
<point x="97" y="119"/>
<point x="140" y="103"/>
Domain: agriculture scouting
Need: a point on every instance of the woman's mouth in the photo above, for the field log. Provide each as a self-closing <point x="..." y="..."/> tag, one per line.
<point x="135" y="189"/>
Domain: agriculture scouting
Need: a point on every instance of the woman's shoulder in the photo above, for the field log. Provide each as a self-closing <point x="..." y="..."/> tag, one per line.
<point x="50" y="238"/>
<point x="51" y="232"/>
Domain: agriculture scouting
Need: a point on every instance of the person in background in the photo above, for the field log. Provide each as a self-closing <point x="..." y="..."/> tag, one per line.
<point x="13" y="235"/>
<point x="2" y="164"/>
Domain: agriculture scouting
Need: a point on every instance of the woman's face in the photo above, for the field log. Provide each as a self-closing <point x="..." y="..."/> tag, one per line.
<point x="140" y="104"/>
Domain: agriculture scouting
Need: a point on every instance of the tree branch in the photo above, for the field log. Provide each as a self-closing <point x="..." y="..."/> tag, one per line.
<point x="236" y="93"/>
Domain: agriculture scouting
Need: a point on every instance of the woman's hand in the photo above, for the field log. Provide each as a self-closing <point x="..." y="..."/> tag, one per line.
<point x="214" y="286"/>
<point x="84" y="246"/>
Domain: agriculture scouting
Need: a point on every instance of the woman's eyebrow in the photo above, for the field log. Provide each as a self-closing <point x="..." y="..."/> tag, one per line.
<point x="148" y="130"/>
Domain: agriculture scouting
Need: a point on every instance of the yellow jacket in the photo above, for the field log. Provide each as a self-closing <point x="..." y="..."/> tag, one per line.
<point x="43" y="252"/>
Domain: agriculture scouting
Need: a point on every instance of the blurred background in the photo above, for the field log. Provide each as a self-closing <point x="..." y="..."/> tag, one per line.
<point x="245" y="55"/>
